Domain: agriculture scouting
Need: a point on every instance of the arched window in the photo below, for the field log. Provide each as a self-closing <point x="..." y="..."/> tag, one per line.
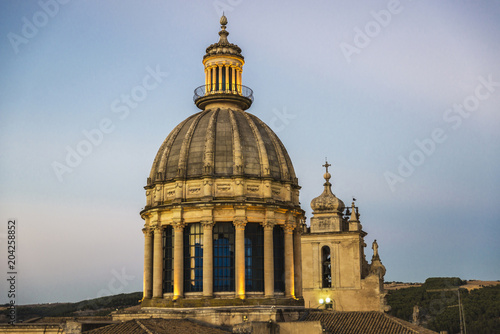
<point x="193" y="258"/>
<point x="279" y="258"/>
<point x="223" y="236"/>
<point x="326" y="265"/>
<point x="168" y="259"/>
<point x="254" y="257"/>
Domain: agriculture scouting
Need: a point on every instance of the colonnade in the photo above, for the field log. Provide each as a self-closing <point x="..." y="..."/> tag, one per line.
<point x="223" y="77"/>
<point x="154" y="261"/>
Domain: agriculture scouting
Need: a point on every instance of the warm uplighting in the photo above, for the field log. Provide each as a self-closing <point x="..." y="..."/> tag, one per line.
<point x="328" y="300"/>
<point x="321" y="301"/>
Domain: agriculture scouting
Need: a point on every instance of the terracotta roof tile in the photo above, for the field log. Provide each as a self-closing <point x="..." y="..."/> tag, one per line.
<point x="156" y="326"/>
<point x="363" y="323"/>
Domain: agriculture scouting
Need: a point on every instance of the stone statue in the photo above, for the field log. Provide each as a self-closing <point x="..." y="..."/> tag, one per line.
<point x="375" y="248"/>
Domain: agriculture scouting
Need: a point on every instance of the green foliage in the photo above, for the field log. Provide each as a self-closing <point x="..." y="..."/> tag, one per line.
<point x="97" y="306"/>
<point x="438" y="302"/>
<point x="443" y="283"/>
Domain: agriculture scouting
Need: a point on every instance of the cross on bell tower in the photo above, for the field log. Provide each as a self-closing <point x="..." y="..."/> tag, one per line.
<point x="326" y="165"/>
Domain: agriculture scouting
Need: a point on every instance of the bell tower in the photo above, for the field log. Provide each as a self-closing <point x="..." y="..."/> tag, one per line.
<point x="333" y="248"/>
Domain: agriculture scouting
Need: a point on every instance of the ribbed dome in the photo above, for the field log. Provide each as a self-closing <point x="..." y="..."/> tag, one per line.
<point x="222" y="142"/>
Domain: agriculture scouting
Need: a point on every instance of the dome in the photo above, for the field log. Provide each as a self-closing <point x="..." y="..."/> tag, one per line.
<point x="327" y="201"/>
<point x="222" y="142"/>
<point x="221" y="196"/>
<point x="222" y="153"/>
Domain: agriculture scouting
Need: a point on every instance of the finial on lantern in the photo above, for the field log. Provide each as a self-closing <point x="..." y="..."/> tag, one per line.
<point x="223" y="32"/>
<point x="223" y="19"/>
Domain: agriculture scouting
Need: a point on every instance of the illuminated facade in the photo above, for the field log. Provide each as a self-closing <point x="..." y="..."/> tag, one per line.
<point x="222" y="218"/>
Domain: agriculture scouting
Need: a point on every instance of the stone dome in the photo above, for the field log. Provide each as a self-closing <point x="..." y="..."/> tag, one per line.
<point x="327" y="201"/>
<point x="222" y="142"/>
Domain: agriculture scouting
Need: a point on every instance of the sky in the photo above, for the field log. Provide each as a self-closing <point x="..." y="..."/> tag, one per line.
<point x="401" y="97"/>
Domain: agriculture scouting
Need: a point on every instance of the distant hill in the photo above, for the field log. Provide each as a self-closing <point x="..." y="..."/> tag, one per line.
<point x="437" y="301"/>
<point x="469" y="285"/>
<point x="92" y="307"/>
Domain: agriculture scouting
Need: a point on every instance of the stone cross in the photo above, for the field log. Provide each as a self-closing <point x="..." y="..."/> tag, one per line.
<point x="326" y="165"/>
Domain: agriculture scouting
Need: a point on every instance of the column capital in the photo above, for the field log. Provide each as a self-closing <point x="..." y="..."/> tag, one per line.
<point x="178" y="225"/>
<point x="240" y="224"/>
<point x="207" y="224"/>
<point x="157" y="229"/>
<point x="288" y="228"/>
<point x="268" y="223"/>
<point x="148" y="231"/>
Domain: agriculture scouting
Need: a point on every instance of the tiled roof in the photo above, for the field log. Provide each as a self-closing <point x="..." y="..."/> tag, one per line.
<point x="363" y="323"/>
<point x="59" y="320"/>
<point x="156" y="326"/>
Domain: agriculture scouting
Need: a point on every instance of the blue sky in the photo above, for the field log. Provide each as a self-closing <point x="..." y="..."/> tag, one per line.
<point x="402" y="97"/>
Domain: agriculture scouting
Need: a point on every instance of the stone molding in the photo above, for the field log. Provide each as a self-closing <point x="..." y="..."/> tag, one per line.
<point x="172" y="192"/>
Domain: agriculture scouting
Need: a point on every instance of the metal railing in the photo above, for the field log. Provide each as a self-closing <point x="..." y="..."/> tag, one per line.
<point x="207" y="90"/>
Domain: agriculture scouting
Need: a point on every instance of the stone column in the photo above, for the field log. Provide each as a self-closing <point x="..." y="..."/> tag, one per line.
<point x="206" y="80"/>
<point x="212" y="78"/>
<point x="239" y="80"/>
<point x="227" y="87"/>
<point x="178" y="260"/>
<point x="220" y="77"/>
<point x="233" y="76"/>
<point x="148" y="262"/>
<point x="158" y="263"/>
<point x="208" y="258"/>
<point x="289" y="275"/>
<point x="239" y="260"/>
<point x="297" y="252"/>
<point x="268" y="259"/>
